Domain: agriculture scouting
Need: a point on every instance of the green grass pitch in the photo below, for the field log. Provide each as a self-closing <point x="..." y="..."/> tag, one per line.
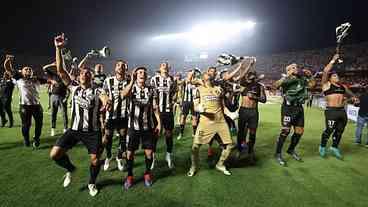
<point x="29" y="178"/>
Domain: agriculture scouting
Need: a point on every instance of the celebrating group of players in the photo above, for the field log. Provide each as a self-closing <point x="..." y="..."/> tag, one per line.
<point x="139" y="109"/>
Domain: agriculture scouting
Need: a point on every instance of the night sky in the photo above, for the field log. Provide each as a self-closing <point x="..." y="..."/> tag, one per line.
<point x="28" y="27"/>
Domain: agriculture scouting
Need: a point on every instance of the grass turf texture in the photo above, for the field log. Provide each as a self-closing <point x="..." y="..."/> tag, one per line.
<point x="29" y="177"/>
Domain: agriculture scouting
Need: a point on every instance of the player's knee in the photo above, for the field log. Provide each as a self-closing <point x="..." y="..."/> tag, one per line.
<point x="285" y="132"/>
<point x="195" y="147"/>
<point x="328" y="131"/>
<point x="94" y="161"/>
<point x="130" y="155"/>
<point x="252" y="131"/>
<point x="55" y="153"/>
<point x="299" y="131"/>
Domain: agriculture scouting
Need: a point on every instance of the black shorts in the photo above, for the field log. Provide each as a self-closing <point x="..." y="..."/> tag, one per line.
<point x="292" y="116"/>
<point x="336" y="118"/>
<point x="248" y="118"/>
<point x="187" y="107"/>
<point x="135" y="137"/>
<point x="92" y="140"/>
<point x="167" y="120"/>
<point x="117" y="124"/>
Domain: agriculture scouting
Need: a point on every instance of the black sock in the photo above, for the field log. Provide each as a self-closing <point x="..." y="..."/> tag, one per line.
<point x="280" y="143"/>
<point x="325" y="136"/>
<point x="182" y="128"/>
<point x="155" y="140"/>
<point x="130" y="164"/>
<point x="169" y="144"/>
<point x="148" y="164"/>
<point x="336" y="139"/>
<point x="109" y="148"/>
<point x="194" y="129"/>
<point x="294" y="141"/>
<point x="93" y="171"/>
<point x="252" y="141"/>
<point x="65" y="162"/>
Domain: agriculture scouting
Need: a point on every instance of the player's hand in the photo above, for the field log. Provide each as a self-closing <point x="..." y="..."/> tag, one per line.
<point x="108" y="105"/>
<point x="59" y="41"/>
<point x="133" y="75"/>
<point x="335" y="57"/>
<point x="307" y="72"/>
<point x="157" y="130"/>
<point x="355" y="100"/>
<point x="9" y="57"/>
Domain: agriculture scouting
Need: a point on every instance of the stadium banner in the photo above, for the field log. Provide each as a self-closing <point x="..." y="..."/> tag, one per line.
<point x="352" y="112"/>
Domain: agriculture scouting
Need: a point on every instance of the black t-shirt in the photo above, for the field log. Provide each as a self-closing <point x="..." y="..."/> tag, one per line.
<point x="58" y="88"/>
<point x="363" y="111"/>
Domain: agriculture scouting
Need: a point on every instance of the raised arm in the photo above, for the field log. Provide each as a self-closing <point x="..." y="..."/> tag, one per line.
<point x="8" y="63"/>
<point x="128" y="89"/>
<point x="328" y="68"/>
<point x="83" y="62"/>
<point x="49" y="66"/>
<point x="59" y="42"/>
<point x="262" y="97"/>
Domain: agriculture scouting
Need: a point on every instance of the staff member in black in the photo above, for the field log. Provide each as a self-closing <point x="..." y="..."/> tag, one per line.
<point x="6" y="92"/>
<point x="335" y="114"/>
<point x="85" y="126"/>
<point x="30" y="106"/>
<point x="58" y="97"/>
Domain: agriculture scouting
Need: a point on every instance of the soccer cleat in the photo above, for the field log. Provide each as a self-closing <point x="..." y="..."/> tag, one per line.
<point x="27" y="143"/>
<point x="179" y="136"/>
<point x="107" y="164"/>
<point x="147" y="180"/>
<point x="128" y="183"/>
<point x="295" y="156"/>
<point x="36" y="143"/>
<point x="336" y="152"/>
<point x="169" y="161"/>
<point x="191" y="172"/>
<point x="280" y="160"/>
<point x="322" y="151"/>
<point x="121" y="165"/>
<point x="52" y="132"/>
<point x="4" y="123"/>
<point x="92" y="189"/>
<point x="223" y="169"/>
<point x="67" y="179"/>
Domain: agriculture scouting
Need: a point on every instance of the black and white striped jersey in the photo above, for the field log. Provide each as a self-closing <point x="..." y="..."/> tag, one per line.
<point x="141" y="108"/>
<point x="165" y="89"/>
<point x="112" y="86"/>
<point x="188" y="91"/>
<point x="85" y="109"/>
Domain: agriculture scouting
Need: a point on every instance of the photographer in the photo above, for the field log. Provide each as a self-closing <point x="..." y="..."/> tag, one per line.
<point x="58" y="96"/>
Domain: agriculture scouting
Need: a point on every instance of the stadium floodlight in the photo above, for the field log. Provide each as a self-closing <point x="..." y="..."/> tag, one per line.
<point x="211" y="33"/>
